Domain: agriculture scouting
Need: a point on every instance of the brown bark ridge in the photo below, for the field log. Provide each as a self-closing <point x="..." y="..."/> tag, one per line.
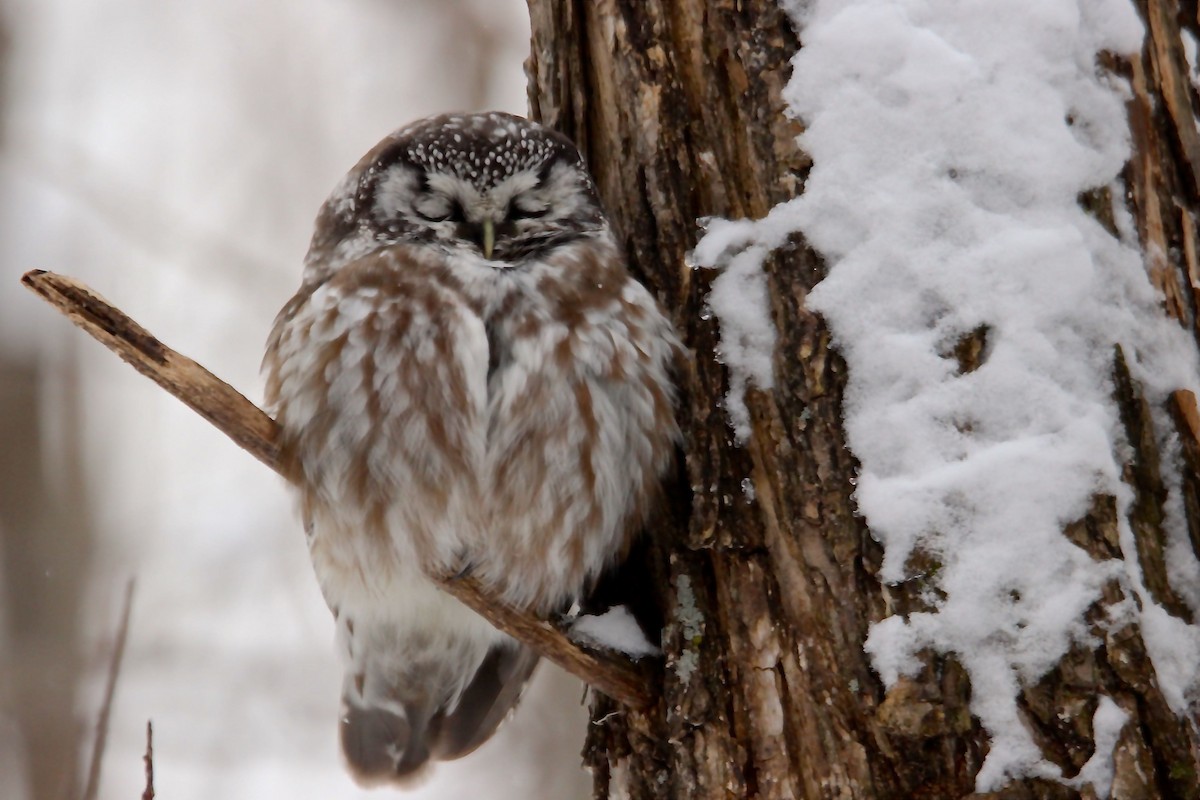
<point x="767" y="692"/>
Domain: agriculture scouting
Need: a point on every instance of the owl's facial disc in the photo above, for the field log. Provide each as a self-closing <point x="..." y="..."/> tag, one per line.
<point x="505" y="221"/>
<point x="491" y="186"/>
<point x="499" y="190"/>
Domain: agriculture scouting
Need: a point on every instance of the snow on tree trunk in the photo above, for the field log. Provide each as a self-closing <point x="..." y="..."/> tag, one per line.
<point x="771" y="583"/>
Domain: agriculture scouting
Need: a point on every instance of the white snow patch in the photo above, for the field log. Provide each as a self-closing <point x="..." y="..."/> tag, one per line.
<point x="749" y="493"/>
<point x="1107" y="723"/>
<point x="1189" y="52"/>
<point x="1174" y="647"/>
<point x="1183" y="569"/>
<point x="615" y="629"/>
<point x="950" y="144"/>
<point x="739" y="298"/>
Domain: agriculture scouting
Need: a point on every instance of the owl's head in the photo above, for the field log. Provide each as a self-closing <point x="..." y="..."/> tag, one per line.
<point x="492" y="186"/>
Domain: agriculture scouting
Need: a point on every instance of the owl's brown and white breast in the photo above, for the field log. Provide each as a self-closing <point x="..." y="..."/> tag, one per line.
<point x="378" y="381"/>
<point x="580" y="424"/>
<point x="518" y="421"/>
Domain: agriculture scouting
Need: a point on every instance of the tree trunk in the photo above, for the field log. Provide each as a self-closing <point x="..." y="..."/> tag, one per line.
<point x="46" y="546"/>
<point x="767" y="690"/>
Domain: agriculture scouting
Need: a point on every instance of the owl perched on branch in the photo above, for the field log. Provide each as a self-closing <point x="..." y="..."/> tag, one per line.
<point x="468" y="380"/>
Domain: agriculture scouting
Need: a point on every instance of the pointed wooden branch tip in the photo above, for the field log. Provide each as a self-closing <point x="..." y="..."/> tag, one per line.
<point x="252" y="430"/>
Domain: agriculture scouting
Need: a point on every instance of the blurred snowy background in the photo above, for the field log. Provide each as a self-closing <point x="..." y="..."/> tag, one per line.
<point x="173" y="156"/>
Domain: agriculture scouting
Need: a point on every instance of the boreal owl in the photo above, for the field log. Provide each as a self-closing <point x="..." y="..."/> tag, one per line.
<point x="467" y="380"/>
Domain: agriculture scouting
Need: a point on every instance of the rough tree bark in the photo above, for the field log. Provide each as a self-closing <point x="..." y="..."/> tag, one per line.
<point x="767" y="691"/>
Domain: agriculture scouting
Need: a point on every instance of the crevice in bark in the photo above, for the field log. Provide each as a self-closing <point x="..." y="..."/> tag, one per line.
<point x="1184" y="414"/>
<point x="1143" y="474"/>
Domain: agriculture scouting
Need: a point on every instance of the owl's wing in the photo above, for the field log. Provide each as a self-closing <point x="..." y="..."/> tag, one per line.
<point x="487" y="700"/>
<point x="399" y="710"/>
<point x="378" y="380"/>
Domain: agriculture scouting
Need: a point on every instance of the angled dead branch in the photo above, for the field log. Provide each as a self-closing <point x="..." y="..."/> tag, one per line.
<point x="205" y="393"/>
<point x="252" y="430"/>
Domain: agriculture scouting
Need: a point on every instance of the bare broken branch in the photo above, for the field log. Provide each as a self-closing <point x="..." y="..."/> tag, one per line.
<point x="205" y="393"/>
<point x="252" y="430"/>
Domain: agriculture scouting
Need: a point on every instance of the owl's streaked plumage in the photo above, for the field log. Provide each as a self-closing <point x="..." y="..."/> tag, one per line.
<point x="467" y="378"/>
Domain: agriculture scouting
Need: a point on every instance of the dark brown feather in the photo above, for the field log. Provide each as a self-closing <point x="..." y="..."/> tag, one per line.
<point x="392" y="742"/>
<point x="485" y="703"/>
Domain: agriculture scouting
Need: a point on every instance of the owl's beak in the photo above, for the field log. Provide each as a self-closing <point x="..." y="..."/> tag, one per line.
<point x="489" y="238"/>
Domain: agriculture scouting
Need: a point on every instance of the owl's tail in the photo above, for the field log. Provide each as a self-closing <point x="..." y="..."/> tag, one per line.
<point x="390" y="730"/>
